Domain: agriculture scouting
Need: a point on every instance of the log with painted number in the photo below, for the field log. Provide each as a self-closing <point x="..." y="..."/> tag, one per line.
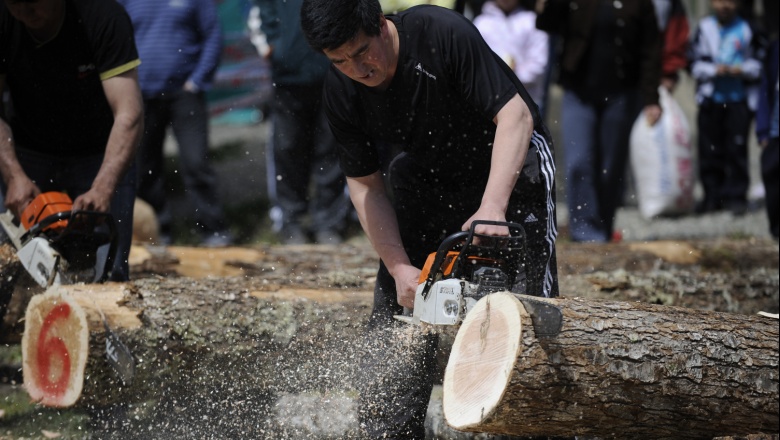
<point x="191" y="340"/>
<point x="54" y="348"/>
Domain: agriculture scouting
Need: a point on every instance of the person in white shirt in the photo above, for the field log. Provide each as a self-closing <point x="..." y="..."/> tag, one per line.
<point x="510" y="30"/>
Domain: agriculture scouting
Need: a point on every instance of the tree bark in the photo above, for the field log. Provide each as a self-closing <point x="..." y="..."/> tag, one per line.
<point x="195" y="339"/>
<point x="10" y="266"/>
<point x="615" y="369"/>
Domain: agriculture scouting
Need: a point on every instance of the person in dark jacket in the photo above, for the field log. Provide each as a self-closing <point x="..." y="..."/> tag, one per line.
<point x="302" y="156"/>
<point x="610" y="71"/>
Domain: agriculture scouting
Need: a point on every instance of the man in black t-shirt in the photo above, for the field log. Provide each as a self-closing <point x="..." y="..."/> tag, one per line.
<point x="70" y="69"/>
<point x="472" y="147"/>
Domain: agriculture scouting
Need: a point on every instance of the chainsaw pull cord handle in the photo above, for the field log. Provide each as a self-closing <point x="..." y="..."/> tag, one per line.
<point x="447" y="245"/>
<point x="516" y="232"/>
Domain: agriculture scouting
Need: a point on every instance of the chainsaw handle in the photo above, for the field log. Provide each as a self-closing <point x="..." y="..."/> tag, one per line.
<point x="94" y="218"/>
<point x="516" y="233"/>
<point x="46" y="222"/>
<point x="518" y="230"/>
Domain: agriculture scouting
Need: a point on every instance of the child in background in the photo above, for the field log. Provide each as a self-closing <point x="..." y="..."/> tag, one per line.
<point x="510" y="30"/>
<point x="723" y="64"/>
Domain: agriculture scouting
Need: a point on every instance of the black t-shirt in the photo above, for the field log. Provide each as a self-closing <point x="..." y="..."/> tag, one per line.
<point x="58" y="99"/>
<point x="439" y="107"/>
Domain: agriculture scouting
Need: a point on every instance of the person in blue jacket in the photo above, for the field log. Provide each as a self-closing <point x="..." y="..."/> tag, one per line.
<point x="180" y="44"/>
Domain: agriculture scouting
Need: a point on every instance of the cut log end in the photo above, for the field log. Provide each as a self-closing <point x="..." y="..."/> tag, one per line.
<point x="54" y="349"/>
<point x="486" y="347"/>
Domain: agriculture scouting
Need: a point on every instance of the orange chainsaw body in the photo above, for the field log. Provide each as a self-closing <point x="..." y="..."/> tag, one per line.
<point x="45" y="205"/>
<point x="448" y="264"/>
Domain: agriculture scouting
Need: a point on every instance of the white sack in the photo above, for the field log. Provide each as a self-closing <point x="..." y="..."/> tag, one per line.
<point x="662" y="161"/>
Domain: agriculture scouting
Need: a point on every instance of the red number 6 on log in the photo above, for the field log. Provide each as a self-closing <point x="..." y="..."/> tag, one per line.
<point x="54" y="349"/>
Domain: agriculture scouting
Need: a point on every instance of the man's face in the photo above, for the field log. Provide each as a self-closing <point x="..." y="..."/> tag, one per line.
<point x="725" y="10"/>
<point x="35" y="14"/>
<point x="367" y="60"/>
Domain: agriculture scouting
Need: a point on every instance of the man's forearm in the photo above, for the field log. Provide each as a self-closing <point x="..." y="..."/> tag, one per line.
<point x="513" y="135"/>
<point x="377" y="217"/>
<point x="120" y="152"/>
<point x="9" y="164"/>
<point x="124" y="97"/>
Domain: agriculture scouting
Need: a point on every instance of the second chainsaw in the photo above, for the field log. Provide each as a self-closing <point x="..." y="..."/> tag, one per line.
<point x="57" y="245"/>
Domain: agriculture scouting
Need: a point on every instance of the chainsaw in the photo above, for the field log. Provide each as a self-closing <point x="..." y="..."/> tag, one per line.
<point x="466" y="267"/>
<point x="59" y="246"/>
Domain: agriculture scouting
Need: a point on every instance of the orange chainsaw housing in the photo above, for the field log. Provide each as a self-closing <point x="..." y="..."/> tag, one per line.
<point x="446" y="265"/>
<point x="45" y="205"/>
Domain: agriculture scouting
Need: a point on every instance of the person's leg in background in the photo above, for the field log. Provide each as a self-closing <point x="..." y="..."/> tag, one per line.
<point x="581" y="164"/>
<point x="150" y="164"/>
<point x="736" y="126"/>
<point x="330" y="204"/>
<point x="711" y="156"/>
<point x="614" y="131"/>
<point x="290" y="167"/>
<point x="122" y="206"/>
<point x="190" y="123"/>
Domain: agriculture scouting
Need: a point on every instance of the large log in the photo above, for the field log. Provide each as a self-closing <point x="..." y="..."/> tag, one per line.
<point x="615" y="370"/>
<point x="194" y="339"/>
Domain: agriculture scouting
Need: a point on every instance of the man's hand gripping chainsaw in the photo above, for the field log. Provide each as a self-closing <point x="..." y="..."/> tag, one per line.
<point x="59" y="246"/>
<point x="466" y="267"/>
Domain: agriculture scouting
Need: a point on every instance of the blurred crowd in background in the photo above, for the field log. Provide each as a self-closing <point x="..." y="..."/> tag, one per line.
<point x="246" y="92"/>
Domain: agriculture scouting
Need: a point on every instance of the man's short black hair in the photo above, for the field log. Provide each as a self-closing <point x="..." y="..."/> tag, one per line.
<point x="328" y="24"/>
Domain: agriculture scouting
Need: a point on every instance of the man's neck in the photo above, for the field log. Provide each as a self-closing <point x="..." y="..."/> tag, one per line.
<point x="48" y="31"/>
<point x="393" y="44"/>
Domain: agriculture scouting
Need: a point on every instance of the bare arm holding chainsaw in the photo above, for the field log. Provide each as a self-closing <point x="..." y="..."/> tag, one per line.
<point x="124" y="96"/>
<point x="378" y="220"/>
<point x="20" y="190"/>
<point x="514" y="127"/>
